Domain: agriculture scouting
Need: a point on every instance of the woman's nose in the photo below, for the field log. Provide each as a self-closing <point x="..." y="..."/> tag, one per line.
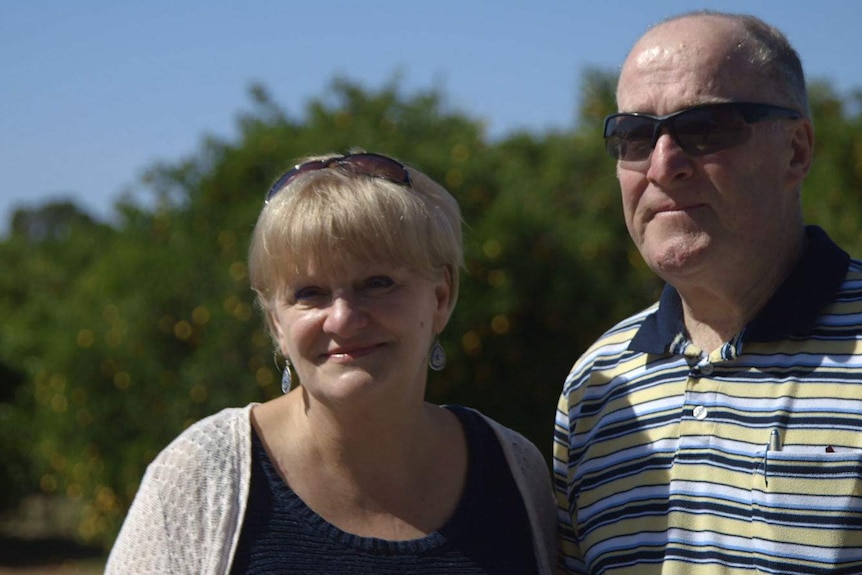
<point x="344" y="315"/>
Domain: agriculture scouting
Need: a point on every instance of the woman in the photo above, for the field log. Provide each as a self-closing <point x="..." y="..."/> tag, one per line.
<point x="355" y="263"/>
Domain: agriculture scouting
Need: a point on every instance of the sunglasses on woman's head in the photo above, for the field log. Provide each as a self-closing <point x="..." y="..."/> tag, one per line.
<point x="365" y="164"/>
<point x="699" y="130"/>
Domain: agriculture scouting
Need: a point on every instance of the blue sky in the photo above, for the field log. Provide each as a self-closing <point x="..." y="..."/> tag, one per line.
<point x="95" y="91"/>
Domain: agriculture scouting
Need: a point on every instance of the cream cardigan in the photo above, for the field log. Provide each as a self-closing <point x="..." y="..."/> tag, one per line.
<point x="188" y="513"/>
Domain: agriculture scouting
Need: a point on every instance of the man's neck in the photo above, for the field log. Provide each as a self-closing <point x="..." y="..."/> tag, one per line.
<point x="716" y="310"/>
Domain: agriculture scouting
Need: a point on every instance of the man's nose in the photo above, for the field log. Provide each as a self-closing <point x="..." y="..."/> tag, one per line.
<point x="668" y="161"/>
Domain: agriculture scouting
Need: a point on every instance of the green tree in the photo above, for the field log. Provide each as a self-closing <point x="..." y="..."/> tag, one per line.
<point x="46" y="250"/>
<point x="831" y="191"/>
<point x="127" y="335"/>
<point x="117" y="337"/>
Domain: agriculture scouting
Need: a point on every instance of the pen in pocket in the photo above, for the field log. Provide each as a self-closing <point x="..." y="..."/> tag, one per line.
<point x="774" y="440"/>
<point x="774" y="444"/>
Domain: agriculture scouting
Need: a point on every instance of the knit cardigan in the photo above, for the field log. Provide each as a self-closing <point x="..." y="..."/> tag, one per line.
<point x="188" y="513"/>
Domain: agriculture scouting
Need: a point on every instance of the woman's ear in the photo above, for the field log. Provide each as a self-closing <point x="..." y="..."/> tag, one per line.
<point x="276" y="330"/>
<point x="443" y="295"/>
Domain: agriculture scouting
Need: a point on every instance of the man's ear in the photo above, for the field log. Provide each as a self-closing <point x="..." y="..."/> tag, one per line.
<point x="802" y="146"/>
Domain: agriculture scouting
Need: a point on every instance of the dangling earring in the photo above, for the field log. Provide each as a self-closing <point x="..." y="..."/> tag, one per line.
<point x="437" y="357"/>
<point x="286" y="379"/>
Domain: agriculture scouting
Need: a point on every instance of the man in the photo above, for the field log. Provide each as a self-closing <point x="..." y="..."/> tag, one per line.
<point x="719" y="431"/>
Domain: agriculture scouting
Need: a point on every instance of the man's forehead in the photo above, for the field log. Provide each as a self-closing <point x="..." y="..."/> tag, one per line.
<point x="658" y="55"/>
<point x="696" y="33"/>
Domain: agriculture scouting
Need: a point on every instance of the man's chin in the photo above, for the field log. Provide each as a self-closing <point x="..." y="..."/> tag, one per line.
<point x="677" y="259"/>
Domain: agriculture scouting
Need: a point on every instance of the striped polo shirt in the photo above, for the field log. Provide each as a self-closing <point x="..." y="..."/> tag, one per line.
<point x="747" y="459"/>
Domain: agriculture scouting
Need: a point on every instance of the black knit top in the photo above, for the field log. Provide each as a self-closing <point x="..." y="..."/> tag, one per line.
<point x="488" y="532"/>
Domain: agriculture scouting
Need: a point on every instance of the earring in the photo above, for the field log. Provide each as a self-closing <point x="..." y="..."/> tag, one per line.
<point x="437" y="357"/>
<point x="286" y="378"/>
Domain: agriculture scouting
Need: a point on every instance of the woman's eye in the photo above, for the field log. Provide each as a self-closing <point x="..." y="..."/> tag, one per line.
<point x="307" y="293"/>
<point x="379" y="282"/>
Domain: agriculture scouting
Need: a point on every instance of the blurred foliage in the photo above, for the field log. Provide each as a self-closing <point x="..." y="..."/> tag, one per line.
<point x="116" y="337"/>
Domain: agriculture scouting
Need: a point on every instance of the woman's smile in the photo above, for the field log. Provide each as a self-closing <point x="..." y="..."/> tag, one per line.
<point x="347" y="354"/>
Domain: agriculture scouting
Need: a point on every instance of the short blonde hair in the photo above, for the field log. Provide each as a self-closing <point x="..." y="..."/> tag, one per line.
<point x="323" y="214"/>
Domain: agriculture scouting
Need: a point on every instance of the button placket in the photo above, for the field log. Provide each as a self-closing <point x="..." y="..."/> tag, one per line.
<point x="703" y="368"/>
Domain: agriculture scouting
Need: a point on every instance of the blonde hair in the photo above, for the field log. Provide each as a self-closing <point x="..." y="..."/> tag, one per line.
<point x="323" y="215"/>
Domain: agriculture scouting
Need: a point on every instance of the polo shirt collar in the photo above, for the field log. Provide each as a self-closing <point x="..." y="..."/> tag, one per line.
<point x="791" y="311"/>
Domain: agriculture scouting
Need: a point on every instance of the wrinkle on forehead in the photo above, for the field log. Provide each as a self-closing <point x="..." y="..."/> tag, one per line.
<point x="692" y="37"/>
<point x="683" y="63"/>
<point x="661" y="55"/>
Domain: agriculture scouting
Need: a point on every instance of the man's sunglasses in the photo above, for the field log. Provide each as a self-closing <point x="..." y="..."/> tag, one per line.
<point x="699" y="130"/>
<point x="365" y="163"/>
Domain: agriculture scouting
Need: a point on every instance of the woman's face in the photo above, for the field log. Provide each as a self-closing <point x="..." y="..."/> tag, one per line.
<point x="361" y="330"/>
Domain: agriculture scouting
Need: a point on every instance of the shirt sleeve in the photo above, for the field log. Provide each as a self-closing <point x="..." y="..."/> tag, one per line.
<point x="570" y="558"/>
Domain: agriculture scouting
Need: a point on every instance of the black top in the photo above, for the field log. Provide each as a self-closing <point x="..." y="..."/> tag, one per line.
<point x="488" y="532"/>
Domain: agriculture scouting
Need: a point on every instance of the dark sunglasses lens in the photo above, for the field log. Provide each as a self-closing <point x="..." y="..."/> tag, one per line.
<point x="698" y="131"/>
<point x="629" y="137"/>
<point x="373" y="165"/>
<point x="710" y="129"/>
<point x="293" y="173"/>
<point x="377" y="166"/>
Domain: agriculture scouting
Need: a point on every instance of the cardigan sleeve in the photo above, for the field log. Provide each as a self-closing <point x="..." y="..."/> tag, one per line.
<point x="143" y="545"/>
<point x="187" y="514"/>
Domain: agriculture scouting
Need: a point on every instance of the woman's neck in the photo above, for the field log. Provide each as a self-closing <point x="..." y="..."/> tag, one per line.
<point x="391" y="475"/>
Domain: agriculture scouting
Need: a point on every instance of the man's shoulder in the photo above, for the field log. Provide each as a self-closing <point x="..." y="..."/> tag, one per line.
<point x="611" y="348"/>
<point x="624" y="330"/>
<point x="854" y="270"/>
<point x="849" y="289"/>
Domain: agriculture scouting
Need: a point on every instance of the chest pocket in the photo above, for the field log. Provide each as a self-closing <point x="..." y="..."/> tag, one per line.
<point x="807" y="509"/>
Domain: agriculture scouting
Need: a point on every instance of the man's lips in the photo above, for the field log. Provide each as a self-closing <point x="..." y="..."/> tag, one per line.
<point x="676" y="208"/>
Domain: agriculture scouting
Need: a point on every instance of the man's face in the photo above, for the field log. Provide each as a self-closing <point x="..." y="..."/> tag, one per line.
<point x="699" y="218"/>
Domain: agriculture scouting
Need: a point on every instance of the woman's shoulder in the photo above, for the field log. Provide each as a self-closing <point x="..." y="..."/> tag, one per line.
<point x="513" y="443"/>
<point x="212" y="443"/>
<point x="190" y="496"/>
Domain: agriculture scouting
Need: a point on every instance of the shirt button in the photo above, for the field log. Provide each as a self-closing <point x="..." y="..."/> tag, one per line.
<point x="700" y="412"/>
<point x="707" y="369"/>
